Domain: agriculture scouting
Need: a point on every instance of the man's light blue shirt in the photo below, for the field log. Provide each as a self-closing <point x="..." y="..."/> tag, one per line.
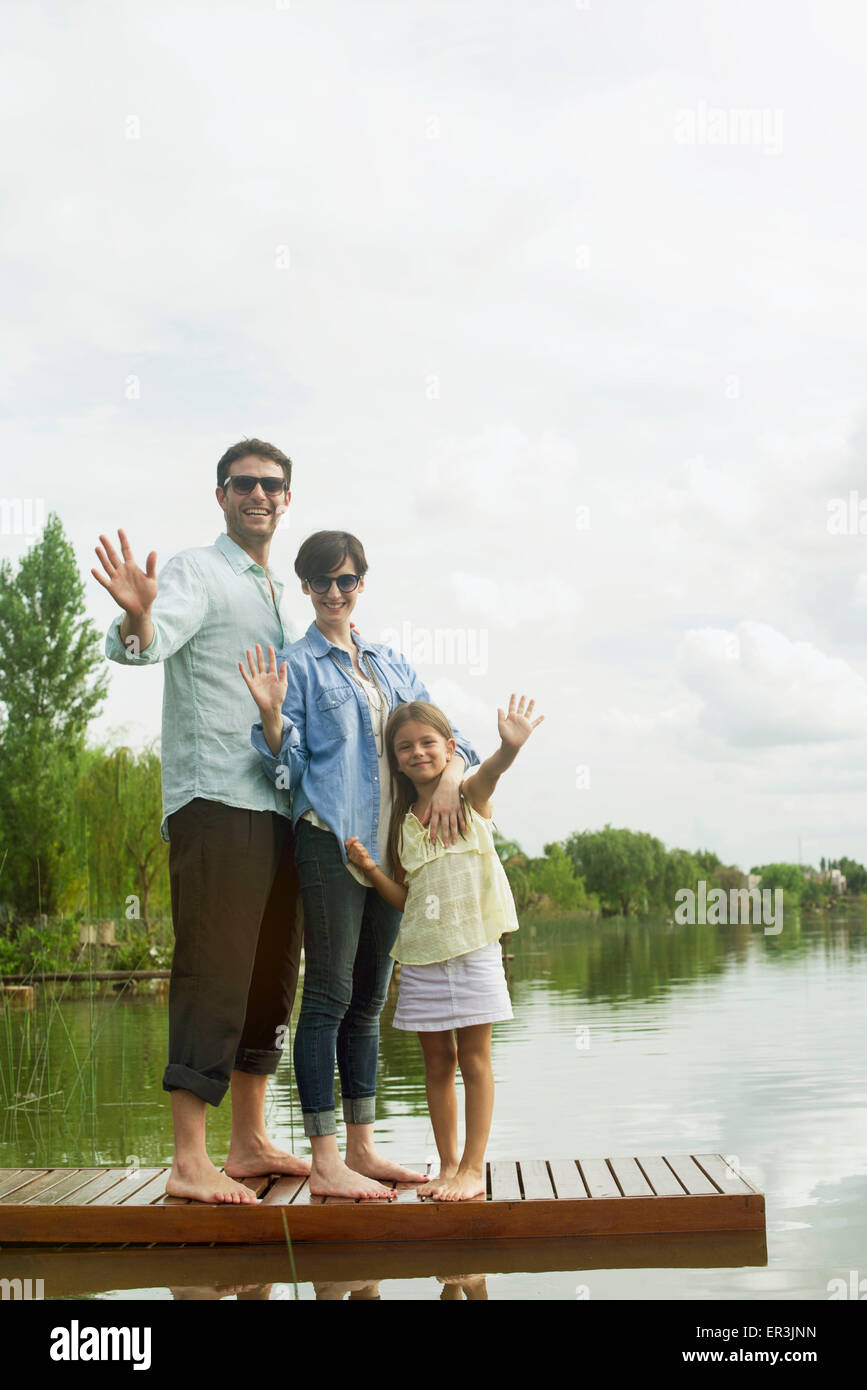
<point x="328" y="754"/>
<point x="212" y="604"/>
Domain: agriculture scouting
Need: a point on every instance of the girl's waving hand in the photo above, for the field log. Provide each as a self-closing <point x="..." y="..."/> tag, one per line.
<point x="514" y="727"/>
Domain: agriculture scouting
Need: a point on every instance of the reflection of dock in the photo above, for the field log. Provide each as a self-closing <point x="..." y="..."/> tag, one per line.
<point x="527" y="1200"/>
<point x="215" y="1271"/>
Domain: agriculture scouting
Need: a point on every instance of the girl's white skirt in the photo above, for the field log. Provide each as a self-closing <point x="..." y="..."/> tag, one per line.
<point x="455" y="993"/>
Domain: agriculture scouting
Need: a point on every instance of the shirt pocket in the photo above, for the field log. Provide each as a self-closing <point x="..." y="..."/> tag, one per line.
<point x="404" y="694"/>
<point x="337" y="713"/>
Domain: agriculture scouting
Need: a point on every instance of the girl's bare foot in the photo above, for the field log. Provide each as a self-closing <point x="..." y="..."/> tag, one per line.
<point x="337" y="1179"/>
<point x="200" y="1181"/>
<point x="260" y="1159"/>
<point x="464" y="1185"/>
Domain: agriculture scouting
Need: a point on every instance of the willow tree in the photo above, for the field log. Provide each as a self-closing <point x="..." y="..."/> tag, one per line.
<point x="117" y="808"/>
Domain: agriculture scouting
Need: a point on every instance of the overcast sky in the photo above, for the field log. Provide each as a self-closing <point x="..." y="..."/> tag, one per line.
<point x="560" y="307"/>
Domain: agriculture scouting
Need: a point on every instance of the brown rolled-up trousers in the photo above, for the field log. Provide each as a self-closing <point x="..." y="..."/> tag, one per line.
<point x="238" y="937"/>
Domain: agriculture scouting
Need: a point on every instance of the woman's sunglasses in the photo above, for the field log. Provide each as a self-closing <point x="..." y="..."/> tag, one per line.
<point x="321" y="583"/>
<point x="244" y="484"/>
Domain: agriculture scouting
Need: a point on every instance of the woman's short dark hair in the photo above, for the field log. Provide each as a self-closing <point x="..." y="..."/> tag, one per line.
<point x="325" y="550"/>
<point x="260" y="450"/>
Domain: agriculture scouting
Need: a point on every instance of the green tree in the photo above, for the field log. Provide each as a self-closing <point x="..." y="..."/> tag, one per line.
<point x="855" y="873"/>
<point x="117" y="809"/>
<point x="623" y="868"/>
<point x="52" y="685"/>
<point x="789" y="877"/>
<point x="554" y="875"/>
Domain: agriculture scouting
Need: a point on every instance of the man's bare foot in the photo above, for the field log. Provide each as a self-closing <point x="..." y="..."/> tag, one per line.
<point x="459" y="1188"/>
<point x="200" y="1181"/>
<point x="337" y="1179"/>
<point x="260" y="1158"/>
<point x="373" y="1165"/>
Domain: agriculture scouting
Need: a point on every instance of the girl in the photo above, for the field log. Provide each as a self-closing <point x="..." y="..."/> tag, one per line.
<point x="456" y="904"/>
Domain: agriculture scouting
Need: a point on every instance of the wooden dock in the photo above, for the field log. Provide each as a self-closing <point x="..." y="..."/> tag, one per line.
<point x="526" y="1199"/>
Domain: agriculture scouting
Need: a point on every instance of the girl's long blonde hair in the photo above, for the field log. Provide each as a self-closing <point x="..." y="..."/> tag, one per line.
<point x="403" y="791"/>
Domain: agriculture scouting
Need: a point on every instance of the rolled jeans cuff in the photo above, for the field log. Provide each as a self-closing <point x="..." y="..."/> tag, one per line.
<point x="359" y="1111"/>
<point x="319" y="1122"/>
<point x="257" y="1061"/>
<point x="180" y="1078"/>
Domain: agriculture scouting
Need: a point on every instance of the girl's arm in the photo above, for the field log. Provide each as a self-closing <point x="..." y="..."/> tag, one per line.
<point x="514" y="729"/>
<point x="387" y="888"/>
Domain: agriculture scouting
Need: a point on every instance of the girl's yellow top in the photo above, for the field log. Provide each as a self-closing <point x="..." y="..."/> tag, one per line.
<point x="458" y="897"/>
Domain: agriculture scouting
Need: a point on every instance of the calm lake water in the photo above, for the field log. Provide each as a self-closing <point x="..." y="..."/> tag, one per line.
<point x="628" y="1039"/>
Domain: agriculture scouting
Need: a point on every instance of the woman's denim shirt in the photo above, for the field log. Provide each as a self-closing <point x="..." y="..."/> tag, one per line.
<point x="328" y="755"/>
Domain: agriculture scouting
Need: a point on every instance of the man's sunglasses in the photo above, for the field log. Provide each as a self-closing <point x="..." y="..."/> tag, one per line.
<point x="321" y="583"/>
<point x="244" y="484"/>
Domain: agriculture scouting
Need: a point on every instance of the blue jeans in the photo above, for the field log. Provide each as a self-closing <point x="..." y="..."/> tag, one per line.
<point x="348" y="933"/>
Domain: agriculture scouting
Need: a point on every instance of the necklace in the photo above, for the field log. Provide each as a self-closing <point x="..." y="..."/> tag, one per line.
<point x="380" y="704"/>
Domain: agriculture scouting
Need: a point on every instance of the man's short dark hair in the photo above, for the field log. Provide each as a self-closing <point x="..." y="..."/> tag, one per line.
<point x="260" y="450"/>
<point x="325" y="550"/>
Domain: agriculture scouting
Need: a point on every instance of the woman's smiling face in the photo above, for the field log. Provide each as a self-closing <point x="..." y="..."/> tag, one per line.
<point x="334" y="607"/>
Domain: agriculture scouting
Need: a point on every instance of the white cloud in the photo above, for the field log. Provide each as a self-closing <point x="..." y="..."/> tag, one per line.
<point x="760" y="688"/>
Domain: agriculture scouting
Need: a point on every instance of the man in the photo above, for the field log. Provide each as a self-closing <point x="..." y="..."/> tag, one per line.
<point x="233" y="879"/>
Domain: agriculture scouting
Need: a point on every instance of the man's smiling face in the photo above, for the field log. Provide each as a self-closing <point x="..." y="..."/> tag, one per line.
<point x="252" y="516"/>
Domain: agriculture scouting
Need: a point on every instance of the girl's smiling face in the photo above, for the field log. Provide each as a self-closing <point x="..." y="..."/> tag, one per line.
<point x="334" y="608"/>
<point x="421" y="752"/>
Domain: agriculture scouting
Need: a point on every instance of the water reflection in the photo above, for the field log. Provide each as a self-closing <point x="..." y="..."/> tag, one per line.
<point x="628" y="1038"/>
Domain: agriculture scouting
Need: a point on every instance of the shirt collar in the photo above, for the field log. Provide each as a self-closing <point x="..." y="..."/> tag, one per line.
<point x="239" y="559"/>
<point x="320" y="645"/>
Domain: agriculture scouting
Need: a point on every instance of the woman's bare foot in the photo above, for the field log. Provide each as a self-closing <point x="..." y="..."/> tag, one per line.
<point x="200" y="1181"/>
<point x="337" y="1179"/>
<point x="257" y="1159"/>
<point x="464" y="1185"/>
<point x="362" y="1159"/>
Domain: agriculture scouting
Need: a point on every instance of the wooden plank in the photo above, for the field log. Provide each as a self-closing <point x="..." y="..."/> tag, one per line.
<point x="108" y="1178"/>
<point x="150" y="1193"/>
<point x="38" y="1188"/>
<point x="409" y="1191"/>
<point x="536" y="1180"/>
<point x="283" y="1191"/>
<point x="721" y="1172"/>
<point x="58" y="1183"/>
<point x="694" y="1180"/>
<point x="660" y="1177"/>
<point x="128" y="1184"/>
<point x="200" y="1223"/>
<point x="504" y="1181"/>
<point x="71" y="1185"/>
<point x="567" y="1179"/>
<point x="305" y="1198"/>
<point x="630" y="1177"/>
<point x="17" y="1181"/>
<point x="598" y="1177"/>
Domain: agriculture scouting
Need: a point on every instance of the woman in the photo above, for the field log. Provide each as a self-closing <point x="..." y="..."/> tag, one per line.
<point x="325" y="702"/>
